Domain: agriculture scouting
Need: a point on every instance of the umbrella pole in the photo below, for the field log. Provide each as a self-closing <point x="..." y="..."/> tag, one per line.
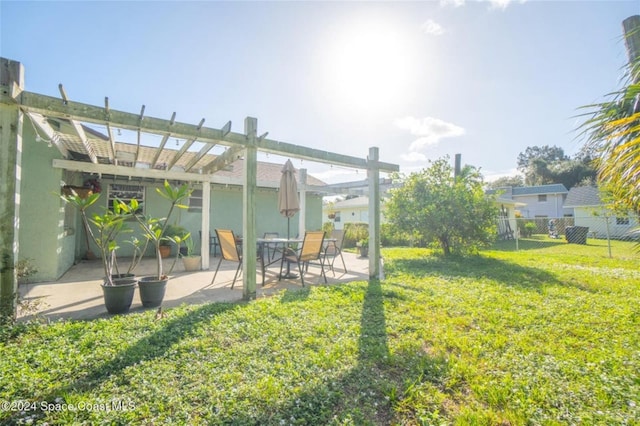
<point x="289" y="274"/>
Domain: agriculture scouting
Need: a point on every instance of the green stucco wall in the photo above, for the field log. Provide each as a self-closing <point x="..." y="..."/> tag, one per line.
<point x="43" y="238"/>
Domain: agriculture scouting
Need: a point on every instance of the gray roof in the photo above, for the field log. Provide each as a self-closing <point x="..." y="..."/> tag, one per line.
<point x="583" y="196"/>
<point x="352" y="202"/>
<point x="554" y="188"/>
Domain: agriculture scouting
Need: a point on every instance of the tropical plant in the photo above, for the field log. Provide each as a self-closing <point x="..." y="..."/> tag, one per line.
<point x="107" y="227"/>
<point x="612" y="130"/>
<point x="154" y="228"/>
<point x="437" y="206"/>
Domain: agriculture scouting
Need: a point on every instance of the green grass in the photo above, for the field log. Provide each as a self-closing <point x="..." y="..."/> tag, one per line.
<point x="540" y="336"/>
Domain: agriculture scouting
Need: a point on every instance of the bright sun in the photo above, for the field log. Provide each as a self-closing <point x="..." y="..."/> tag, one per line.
<point x="367" y="67"/>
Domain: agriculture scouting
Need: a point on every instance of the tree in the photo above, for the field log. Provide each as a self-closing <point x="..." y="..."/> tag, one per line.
<point x="501" y="182"/>
<point x="436" y="207"/>
<point x="536" y="163"/>
<point x="545" y="165"/>
<point x="612" y="129"/>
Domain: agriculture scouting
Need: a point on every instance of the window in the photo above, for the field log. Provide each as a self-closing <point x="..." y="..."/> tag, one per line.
<point x="622" y="220"/>
<point x="125" y="193"/>
<point x="195" y="201"/>
<point x="337" y="218"/>
<point x="542" y="198"/>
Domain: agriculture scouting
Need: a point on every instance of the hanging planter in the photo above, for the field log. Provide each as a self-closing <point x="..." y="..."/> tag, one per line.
<point x="81" y="191"/>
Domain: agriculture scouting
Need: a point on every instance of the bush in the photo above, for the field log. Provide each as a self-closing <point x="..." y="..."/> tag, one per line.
<point x="390" y="236"/>
<point x="354" y="232"/>
<point x="328" y="228"/>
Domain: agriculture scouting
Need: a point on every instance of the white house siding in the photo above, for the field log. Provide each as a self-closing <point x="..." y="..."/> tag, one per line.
<point x="596" y="220"/>
<point x="553" y="207"/>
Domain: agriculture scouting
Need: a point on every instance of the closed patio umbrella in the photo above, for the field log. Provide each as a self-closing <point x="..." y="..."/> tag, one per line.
<point x="288" y="202"/>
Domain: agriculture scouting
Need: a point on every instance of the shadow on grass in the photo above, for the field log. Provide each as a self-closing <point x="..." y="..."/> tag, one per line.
<point x="366" y="394"/>
<point x="148" y="348"/>
<point x="533" y="243"/>
<point x="474" y="267"/>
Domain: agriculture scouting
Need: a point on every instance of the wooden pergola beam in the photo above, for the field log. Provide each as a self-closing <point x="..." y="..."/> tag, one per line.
<point x="184" y="148"/>
<point x="139" y="136"/>
<point x="223" y="160"/>
<point x="165" y="138"/>
<point x="50" y="106"/>
<point x="79" y="130"/>
<point x="41" y="123"/>
<point x="112" y="142"/>
<point x="203" y="151"/>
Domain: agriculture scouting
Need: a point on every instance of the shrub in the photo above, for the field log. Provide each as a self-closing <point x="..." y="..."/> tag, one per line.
<point x="354" y="232"/>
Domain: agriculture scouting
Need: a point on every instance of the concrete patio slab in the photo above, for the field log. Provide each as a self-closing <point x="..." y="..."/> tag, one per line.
<point x="78" y="294"/>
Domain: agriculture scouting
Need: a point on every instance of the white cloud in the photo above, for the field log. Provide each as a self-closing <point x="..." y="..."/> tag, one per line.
<point x="432" y="27"/>
<point x="499" y="4"/>
<point x="454" y="3"/>
<point x="413" y="157"/>
<point x="429" y="127"/>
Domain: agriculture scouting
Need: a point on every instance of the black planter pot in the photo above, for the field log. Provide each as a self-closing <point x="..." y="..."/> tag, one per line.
<point x="122" y="278"/>
<point x="152" y="291"/>
<point x="118" y="298"/>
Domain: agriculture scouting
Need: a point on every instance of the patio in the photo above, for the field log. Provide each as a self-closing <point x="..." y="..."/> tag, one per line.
<point x="78" y="295"/>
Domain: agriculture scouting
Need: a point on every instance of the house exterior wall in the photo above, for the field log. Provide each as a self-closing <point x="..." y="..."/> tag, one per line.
<point x="43" y="238"/>
<point x="350" y="214"/>
<point x="553" y="207"/>
<point x="596" y="218"/>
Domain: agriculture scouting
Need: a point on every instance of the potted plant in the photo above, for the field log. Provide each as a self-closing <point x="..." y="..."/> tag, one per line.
<point x="191" y="261"/>
<point x="153" y="288"/>
<point x="363" y="245"/>
<point x="118" y="294"/>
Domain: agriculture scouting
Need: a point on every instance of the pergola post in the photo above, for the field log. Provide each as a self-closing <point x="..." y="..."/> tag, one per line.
<point x="249" y="231"/>
<point x="302" y="218"/>
<point x="204" y="227"/>
<point x="11" y="119"/>
<point x="373" y="174"/>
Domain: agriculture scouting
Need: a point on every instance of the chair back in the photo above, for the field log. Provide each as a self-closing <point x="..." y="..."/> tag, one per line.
<point x="339" y="237"/>
<point x="228" y="246"/>
<point x="311" y="245"/>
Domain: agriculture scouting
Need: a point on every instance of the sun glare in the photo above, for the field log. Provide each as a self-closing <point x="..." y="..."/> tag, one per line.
<point x="367" y="67"/>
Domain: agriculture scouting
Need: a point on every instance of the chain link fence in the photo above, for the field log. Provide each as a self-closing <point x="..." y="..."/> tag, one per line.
<point x="615" y="234"/>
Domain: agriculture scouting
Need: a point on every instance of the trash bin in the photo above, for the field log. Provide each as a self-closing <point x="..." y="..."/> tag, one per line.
<point x="576" y="234"/>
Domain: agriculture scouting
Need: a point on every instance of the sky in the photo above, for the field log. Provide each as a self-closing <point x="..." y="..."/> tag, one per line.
<point x="420" y="80"/>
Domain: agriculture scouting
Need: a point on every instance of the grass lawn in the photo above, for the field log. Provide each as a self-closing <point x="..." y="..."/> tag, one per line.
<point x="539" y="336"/>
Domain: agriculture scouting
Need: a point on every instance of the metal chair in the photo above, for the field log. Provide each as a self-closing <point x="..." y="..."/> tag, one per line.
<point x="333" y="249"/>
<point x="311" y="251"/>
<point x="229" y="251"/>
<point x="271" y="251"/>
<point x="213" y="243"/>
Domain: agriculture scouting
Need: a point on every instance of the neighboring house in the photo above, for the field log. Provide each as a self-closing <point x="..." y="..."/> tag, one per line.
<point x="590" y="211"/>
<point x="537" y="201"/>
<point x="51" y="234"/>
<point x="507" y="225"/>
<point x="349" y="211"/>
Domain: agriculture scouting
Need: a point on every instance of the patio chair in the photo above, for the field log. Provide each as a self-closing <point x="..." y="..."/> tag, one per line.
<point x="229" y="251"/>
<point x="311" y="251"/>
<point x="271" y="250"/>
<point x="333" y="249"/>
<point x="213" y="243"/>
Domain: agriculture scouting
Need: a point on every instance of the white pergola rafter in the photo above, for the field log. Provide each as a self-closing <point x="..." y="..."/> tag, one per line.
<point x="139" y="134"/>
<point x="112" y="141"/>
<point x="187" y="144"/>
<point x="43" y="125"/>
<point x="164" y="140"/>
<point x="78" y="129"/>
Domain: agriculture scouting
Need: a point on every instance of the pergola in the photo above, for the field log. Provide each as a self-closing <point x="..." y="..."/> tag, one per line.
<point x="181" y="165"/>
